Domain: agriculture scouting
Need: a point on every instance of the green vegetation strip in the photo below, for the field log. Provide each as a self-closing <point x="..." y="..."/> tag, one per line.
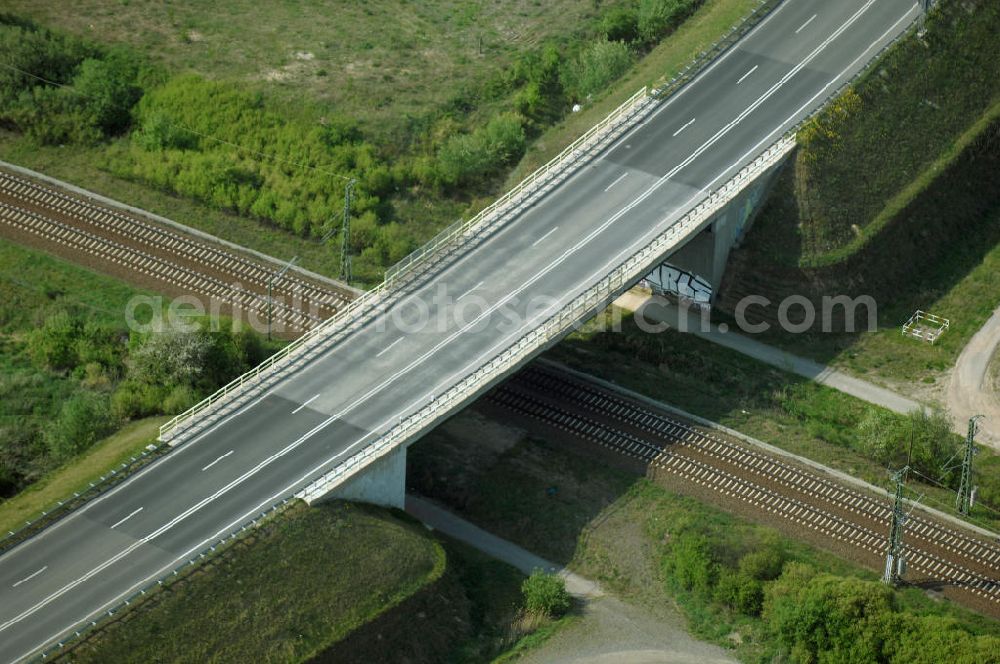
<point x="290" y="589"/>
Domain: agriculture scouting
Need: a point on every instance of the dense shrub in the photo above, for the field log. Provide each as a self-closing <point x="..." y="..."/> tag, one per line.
<point x="469" y="157"/>
<point x="691" y="563"/>
<point x="597" y="66"/>
<point x="545" y="594"/>
<point x="658" y="18"/>
<point x="888" y="438"/>
<point x="185" y="143"/>
<point x="83" y="420"/>
<point x="100" y="86"/>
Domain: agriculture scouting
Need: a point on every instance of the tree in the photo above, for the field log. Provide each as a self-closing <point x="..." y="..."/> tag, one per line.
<point x="545" y="594"/>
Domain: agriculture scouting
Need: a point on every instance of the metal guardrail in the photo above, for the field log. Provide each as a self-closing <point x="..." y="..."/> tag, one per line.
<point x="410" y="265"/>
<point x="583" y="306"/>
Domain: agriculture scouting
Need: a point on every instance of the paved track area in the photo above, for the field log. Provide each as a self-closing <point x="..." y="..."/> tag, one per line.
<point x="477" y="303"/>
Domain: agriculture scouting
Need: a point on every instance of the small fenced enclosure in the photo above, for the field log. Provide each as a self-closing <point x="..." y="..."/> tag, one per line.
<point x="926" y="327"/>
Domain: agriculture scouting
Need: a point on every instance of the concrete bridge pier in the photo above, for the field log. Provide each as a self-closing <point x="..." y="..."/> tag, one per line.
<point x="703" y="258"/>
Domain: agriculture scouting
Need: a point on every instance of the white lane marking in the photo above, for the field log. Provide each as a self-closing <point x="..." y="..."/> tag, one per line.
<point x="744" y="76"/>
<point x="386" y="349"/>
<point x="134" y="512"/>
<point x="307" y="402"/>
<point x="190" y="444"/>
<point x="803" y="26"/>
<point x="470" y="291"/>
<point x="217" y="461"/>
<point x="620" y="178"/>
<point x="686" y="125"/>
<point x="29" y="577"/>
<point x="539" y="240"/>
<point x="309" y="434"/>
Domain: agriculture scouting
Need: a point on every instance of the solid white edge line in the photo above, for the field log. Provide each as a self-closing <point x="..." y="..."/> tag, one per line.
<point x="304" y="478"/>
<point x="118" y="523"/>
<point x="30" y="577"/>
<point x="586" y="240"/>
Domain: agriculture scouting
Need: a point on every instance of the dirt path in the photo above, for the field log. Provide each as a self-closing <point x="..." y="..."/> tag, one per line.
<point x="969" y="391"/>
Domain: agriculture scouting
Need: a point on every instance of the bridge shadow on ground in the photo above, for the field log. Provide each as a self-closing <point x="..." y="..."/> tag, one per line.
<point x="542" y="494"/>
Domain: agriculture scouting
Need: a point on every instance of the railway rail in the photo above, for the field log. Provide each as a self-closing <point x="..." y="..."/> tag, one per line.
<point x="179" y="262"/>
<point x="935" y="553"/>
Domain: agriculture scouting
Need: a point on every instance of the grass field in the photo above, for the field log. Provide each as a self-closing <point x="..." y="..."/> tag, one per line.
<point x="384" y="62"/>
<point x="769" y="404"/>
<point x="613" y="527"/>
<point x="76" y="476"/>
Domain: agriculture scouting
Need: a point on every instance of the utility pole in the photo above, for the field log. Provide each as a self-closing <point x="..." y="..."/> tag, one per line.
<point x="345" y="236"/>
<point x="270" y="282"/>
<point x="965" y="490"/>
<point x="895" y="565"/>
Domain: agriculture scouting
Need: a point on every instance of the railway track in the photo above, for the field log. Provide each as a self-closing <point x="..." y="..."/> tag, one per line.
<point x="179" y="262"/>
<point x="934" y="552"/>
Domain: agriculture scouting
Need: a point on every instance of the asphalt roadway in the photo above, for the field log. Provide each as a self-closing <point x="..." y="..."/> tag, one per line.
<point x="477" y="305"/>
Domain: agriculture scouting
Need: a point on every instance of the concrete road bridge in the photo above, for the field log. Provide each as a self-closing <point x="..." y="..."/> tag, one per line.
<point x="335" y="413"/>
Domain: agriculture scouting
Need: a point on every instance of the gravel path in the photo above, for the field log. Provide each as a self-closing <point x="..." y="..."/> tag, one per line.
<point x="657" y="309"/>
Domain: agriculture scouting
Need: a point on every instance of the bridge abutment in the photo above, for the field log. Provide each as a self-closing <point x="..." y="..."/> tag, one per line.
<point x="383" y="483"/>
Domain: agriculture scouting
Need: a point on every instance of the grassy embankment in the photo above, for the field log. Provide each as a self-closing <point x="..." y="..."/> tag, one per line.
<point x="893" y="194"/>
<point x="333" y="583"/>
<point x="772" y="405"/>
<point x="741" y="585"/>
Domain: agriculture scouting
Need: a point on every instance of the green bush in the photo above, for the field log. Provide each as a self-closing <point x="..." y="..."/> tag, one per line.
<point x="469" y="157"/>
<point x="87" y="93"/>
<point x="597" y="66"/>
<point x="691" y="563"/>
<point x="658" y="18"/>
<point x="82" y="421"/>
<point x="888" y="438"/>
<point x="545" y="594"/>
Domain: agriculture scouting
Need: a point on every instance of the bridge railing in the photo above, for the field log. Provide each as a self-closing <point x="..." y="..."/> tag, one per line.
<point x="580" y="308"/>
<point x="453" y="235"/>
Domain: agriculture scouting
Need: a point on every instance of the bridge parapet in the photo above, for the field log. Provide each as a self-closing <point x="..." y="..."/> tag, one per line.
<point x="616" y="281"/>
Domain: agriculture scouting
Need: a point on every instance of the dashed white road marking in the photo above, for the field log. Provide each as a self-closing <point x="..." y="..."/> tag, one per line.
<point x="803" y="26"/>
<point x="470" y="291"/>
<point x="743" y="77"/>
<point x="386" y="349"/>
<point x="686" y="125"/>
<point x="29" y="577"/>
<point x="539" y="240"/>
<point x="620" y="178"/>
<point x="134" y="512"/>
<point x="217" y="461"/>
<point x="305" y="403"/>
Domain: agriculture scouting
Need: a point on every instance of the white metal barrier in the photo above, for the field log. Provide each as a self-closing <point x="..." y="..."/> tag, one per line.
<point x="583" y="306"/>
<point x="622" y="117"/>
